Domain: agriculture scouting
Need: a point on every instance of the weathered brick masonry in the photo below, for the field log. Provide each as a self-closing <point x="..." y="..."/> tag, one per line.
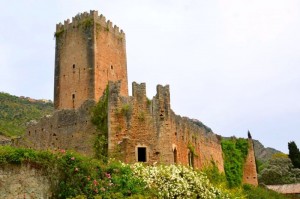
<point x="64" y="129"/>
<point x="137" y="122"/>
<point x="250" y="173"/>
<point x="89" y="52"/>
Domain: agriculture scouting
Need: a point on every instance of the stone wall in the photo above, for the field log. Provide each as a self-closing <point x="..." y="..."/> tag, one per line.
<point x="89" y="52"/>
<point x="137" y="122"/>
<point x="23" y="181"/>
<point x="65" y="129"/>
<point x="250" y="173"/>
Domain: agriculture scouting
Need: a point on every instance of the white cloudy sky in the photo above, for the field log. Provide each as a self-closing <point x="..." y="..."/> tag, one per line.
<point x="233" y="64"/>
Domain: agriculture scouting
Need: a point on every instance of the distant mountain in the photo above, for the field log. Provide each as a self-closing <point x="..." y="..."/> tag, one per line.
<point x="15" y="112"/>
<point x="261" y="153"/>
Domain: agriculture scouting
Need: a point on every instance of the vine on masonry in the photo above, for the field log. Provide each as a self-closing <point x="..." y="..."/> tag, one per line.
<point x="100" y="120"/>
<point x="235" y="152"/>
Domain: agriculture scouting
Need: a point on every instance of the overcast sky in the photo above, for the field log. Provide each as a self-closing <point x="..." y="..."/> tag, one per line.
<point x="232" y="64"/>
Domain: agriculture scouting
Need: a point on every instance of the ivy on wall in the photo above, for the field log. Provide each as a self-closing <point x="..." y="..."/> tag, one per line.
<point x="235" y="152"/>
<point x="100" y="120"/>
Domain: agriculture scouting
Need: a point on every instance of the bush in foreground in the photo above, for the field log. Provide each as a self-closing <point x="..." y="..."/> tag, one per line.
<point x="80" y="177"/>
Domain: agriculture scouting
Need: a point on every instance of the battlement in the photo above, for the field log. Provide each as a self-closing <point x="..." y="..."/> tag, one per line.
<point x="163" y="92"/>
<point x="88" y="18"/>
<point x="139" y="90"/>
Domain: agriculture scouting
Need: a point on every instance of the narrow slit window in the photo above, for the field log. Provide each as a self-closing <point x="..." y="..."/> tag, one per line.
<point x="73" y="66"/>
<point x="73" y="100"/>
<point x="191" y="159"/>
<point x="142" y="154"/>
<point x="175" y="155"/>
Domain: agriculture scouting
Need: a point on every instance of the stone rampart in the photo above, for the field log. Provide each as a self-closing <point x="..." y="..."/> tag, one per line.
<point x="65" y="129"/>
<point x="24" y="181"/>
<point x="137" y="123"/>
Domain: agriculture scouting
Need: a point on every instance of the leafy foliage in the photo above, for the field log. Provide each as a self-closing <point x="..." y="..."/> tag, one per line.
<point x="213" y="174"/>
<point x="81" y="177"/>
<point x="78" y="175"/>
<point x="235" y="152"/>
<point x="100" y="120"/>
<point x="279" y="170"/>
<point x="294" y="154"/>
<point x="260" y="193"/>
<point x="15" y="112"/>
<point x="176" y="181"/>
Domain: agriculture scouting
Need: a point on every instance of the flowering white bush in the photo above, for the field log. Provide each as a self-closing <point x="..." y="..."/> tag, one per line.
<point x="176" y="181"/>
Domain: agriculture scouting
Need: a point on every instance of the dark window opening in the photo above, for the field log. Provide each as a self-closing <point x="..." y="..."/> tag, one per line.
<point x="175" y="155"/>
<point x="191" y="159"/>
<point x="111" y="67"/>
<point x="73" y="66"/>
<point x="142" y="154"/>
<point x="28" y="132"/>
<point x="73" y="100"/>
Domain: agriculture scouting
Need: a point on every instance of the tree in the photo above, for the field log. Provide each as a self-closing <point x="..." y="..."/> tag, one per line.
<point x="294" y="154"/>
<point x="279" y="170"/>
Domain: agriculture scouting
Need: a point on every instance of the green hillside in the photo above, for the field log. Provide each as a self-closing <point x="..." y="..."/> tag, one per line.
<point x="15" y="112"/>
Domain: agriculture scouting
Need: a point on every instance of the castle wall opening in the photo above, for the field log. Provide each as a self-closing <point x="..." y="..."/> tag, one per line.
<point x="142" y="154"/>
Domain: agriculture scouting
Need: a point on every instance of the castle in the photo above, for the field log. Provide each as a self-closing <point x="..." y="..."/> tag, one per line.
<point x="90" y="60"/>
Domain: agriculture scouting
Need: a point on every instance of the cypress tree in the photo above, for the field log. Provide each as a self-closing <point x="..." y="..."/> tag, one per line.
<point x="294" y="154"/>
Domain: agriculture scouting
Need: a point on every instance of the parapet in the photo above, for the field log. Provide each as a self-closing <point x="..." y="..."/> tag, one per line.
<point x="139" y="90"/>
<point x="85" y="17"/>
<point x="163" y="92"/>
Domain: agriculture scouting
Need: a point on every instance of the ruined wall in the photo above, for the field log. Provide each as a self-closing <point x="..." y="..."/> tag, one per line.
<point x="65" y="129"/>
<point x="89" y="52"/>
<point x="136" y="122"/>
<point x="23" y="181"/>
<point x="250" y="173"/>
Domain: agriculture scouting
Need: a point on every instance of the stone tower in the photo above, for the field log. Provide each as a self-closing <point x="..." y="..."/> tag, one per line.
<point x="89" y="53"/>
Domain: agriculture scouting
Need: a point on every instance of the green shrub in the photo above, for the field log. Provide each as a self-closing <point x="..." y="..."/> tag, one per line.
<point x="78" y="176"/>
<point x="214" y="175"/>
<point x="176" y="181"/>
<point x="279" y="170"/>
<point x="252" y="192"/>
<point x="81" y="177"/>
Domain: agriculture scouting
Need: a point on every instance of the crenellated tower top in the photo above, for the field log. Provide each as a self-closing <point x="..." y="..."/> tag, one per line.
<point x="91" y="17"/>
<point x="90" y="52"/>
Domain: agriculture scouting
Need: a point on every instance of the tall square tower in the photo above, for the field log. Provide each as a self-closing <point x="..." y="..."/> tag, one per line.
<point x="89" y="53"/>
